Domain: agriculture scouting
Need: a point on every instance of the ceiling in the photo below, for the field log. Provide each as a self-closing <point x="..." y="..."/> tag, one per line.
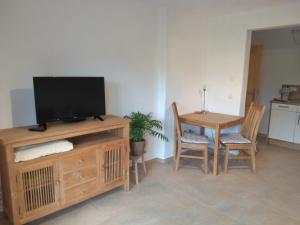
<point x="223" y="7"/>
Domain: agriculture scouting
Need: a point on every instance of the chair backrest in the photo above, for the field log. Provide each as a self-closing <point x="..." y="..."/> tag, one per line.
<point x="252" y="121"/>
<point x="176" y="120"/>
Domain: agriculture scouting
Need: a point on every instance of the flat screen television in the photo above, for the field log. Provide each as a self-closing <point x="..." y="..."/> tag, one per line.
<point x="68" y="98"/>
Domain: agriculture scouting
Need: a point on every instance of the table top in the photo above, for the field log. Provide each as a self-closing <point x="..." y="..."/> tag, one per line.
<point x="211" y="119"/>
<point x="291" y="102"/>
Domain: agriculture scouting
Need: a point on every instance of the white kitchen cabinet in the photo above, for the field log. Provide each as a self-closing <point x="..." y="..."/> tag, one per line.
<point x="297" y="130"/>
<point x="282" y="122"/>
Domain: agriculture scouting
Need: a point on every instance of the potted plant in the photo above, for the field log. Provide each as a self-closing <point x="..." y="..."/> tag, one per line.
<point x="141" y="125"/>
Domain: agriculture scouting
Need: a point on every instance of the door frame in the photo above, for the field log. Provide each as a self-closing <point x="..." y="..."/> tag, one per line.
<point x="247" y="61"/>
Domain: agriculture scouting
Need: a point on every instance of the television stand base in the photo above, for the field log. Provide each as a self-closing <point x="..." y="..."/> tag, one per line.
<point x="74" y="119"/>
<point x="39" y="128"/>
<point x="99" y="118"/>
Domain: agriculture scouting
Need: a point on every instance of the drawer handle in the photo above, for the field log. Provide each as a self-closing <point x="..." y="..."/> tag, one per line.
<point x="283" y="106"/>
<point x="298" y="120"/>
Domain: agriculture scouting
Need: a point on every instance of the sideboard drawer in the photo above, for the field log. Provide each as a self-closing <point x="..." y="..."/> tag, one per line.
<point x="80" y="192"/>
<point x="80" y="176"/>
<point x="79" y="161"/>
<point x="286" y="107"/>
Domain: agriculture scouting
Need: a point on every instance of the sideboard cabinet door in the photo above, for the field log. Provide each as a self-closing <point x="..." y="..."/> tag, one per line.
<point x="38" y="189"/>
<point x="112" y="165"/>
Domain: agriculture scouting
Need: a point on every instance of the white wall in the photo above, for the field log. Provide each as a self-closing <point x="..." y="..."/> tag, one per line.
<point x="213" y="51"/>
<point x="228" y="53"/>
<point x="150" y="55"/>
<point x="280" y="64"/>
<point x="117" y="39"/>
<point x="186" y="49"/>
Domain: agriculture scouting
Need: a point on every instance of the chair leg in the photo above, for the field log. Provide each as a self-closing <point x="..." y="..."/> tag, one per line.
<point x="226" y="159"/>
<point x="253" y="160"/>
<point x="175" y="150"/>
<point x="206" y="160"/>
<point x="136" y="172"/>
<point x="178" y="158"/>
<point x="144" y="164"/>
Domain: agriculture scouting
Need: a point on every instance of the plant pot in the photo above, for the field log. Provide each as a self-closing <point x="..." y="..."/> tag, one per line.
<point x="137" y="148"/>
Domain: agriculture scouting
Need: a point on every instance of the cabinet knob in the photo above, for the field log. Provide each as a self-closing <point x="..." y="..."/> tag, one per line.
<point x="79" y="175"/>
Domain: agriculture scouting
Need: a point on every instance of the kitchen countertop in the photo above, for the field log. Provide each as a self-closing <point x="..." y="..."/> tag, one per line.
<point x="292" y="102"/>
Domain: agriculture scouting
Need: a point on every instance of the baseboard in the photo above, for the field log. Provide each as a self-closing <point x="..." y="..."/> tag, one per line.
<point x="284" y="144"/>
<point x="167" y="160"/>
<point x="261" y="135"/>
<point x="161" y="160"/>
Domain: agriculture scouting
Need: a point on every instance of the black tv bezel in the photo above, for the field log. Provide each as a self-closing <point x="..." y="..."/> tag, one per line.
<point x="66" y="119"/>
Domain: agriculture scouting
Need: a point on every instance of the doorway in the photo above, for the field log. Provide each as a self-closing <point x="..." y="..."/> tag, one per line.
<point x="273" y="63"/>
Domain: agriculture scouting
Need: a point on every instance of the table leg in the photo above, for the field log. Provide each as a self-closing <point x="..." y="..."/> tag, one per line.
<point x="136" y="171"/>
<point x="216" y="150"/>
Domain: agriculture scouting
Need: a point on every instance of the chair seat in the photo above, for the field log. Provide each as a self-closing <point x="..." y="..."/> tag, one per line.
<point x="234" y="139"/>
<point x="194" y="139"/>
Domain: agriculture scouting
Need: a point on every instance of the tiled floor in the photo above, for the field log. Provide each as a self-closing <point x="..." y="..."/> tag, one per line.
<point x="270" y="197"/>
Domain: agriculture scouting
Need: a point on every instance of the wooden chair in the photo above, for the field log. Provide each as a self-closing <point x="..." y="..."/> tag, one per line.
<point x="188" y="141"/>
<point x="246" y="140"/>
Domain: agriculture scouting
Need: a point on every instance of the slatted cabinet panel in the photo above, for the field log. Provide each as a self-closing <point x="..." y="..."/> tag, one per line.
<point x="112" y="161"/>
<point x="38" y="188"/>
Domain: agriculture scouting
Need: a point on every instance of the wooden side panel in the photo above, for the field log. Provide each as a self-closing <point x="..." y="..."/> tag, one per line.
<point x="126" y="137"/>
<point x="9" y="184"/>
<point x="6" y="193"/>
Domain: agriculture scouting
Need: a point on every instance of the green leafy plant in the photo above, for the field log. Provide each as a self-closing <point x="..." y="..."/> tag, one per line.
<point x="142" y="124"/>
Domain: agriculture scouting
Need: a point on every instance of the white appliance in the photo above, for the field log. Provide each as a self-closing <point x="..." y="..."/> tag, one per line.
<point x="285" y="122"/>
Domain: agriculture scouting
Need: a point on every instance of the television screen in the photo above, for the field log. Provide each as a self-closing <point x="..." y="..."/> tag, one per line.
<point x="68" y="98"/>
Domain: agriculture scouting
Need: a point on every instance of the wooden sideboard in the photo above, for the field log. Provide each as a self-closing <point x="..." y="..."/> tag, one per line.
<point x="98" y="163"/>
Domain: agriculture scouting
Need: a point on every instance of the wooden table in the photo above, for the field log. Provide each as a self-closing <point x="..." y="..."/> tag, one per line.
<point x="215" y="121"/>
